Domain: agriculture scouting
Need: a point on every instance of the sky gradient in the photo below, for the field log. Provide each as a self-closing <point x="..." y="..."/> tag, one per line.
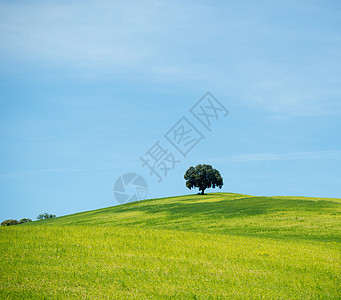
<point x="87" y="88"/>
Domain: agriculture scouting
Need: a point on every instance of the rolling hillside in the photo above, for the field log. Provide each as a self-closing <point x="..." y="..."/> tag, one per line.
<point x="219" y="245"/>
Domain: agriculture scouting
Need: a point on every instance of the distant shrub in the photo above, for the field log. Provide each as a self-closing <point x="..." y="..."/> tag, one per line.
<point x="25" y="220"/>
<point x="45" y="216"/>
<point x="9" y="222"/>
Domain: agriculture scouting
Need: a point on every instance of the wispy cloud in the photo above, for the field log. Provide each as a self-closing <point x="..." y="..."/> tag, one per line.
<point x="287" y="64"/>
<point x="80" y="34"/>
<point x="332" y="154"/>
<point x="54" y="171"/>
<point x="311" y="91"/>
<point x="106" y="37"/>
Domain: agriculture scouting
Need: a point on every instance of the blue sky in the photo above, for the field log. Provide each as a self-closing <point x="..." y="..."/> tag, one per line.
<point x="87" y="88"/>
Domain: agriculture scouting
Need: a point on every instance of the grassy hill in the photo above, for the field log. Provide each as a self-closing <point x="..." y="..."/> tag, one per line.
<point x="215" y="246"/>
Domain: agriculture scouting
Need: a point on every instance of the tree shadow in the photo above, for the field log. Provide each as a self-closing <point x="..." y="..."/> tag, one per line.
<point x="191" y="214"/>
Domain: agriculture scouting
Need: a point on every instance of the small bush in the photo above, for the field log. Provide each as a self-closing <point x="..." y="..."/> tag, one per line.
<point x="25" y="220"/>
<point x="9" y="222"/>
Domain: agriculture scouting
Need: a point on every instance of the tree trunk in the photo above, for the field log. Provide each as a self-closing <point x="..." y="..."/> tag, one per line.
<point x="202" y="191"/>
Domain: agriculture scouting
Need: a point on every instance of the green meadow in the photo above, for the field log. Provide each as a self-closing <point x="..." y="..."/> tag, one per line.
<point x="215" y="246"/>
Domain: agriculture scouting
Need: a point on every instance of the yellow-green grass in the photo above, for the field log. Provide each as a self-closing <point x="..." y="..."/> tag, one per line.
<point x="214" y="246"/>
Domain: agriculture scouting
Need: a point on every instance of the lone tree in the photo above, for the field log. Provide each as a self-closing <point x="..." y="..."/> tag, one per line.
<point x="203" y="177"/>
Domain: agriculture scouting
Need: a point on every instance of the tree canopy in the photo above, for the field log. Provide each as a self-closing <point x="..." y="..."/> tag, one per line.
<point x="45" y="216"/>
<point x="203" y="177"/>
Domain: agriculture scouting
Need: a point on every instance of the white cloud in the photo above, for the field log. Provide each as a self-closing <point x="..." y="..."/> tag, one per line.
<point x="312" y="91"/>
<point x="55" y="171"/>
<point x="332" y="154"/>
<point x="286" y="66"/>
<point x="99" y="34"/>
<point x="91" y="35"/>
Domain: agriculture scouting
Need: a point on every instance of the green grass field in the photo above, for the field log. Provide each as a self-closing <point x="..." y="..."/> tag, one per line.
<point x="215" y="246"/>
